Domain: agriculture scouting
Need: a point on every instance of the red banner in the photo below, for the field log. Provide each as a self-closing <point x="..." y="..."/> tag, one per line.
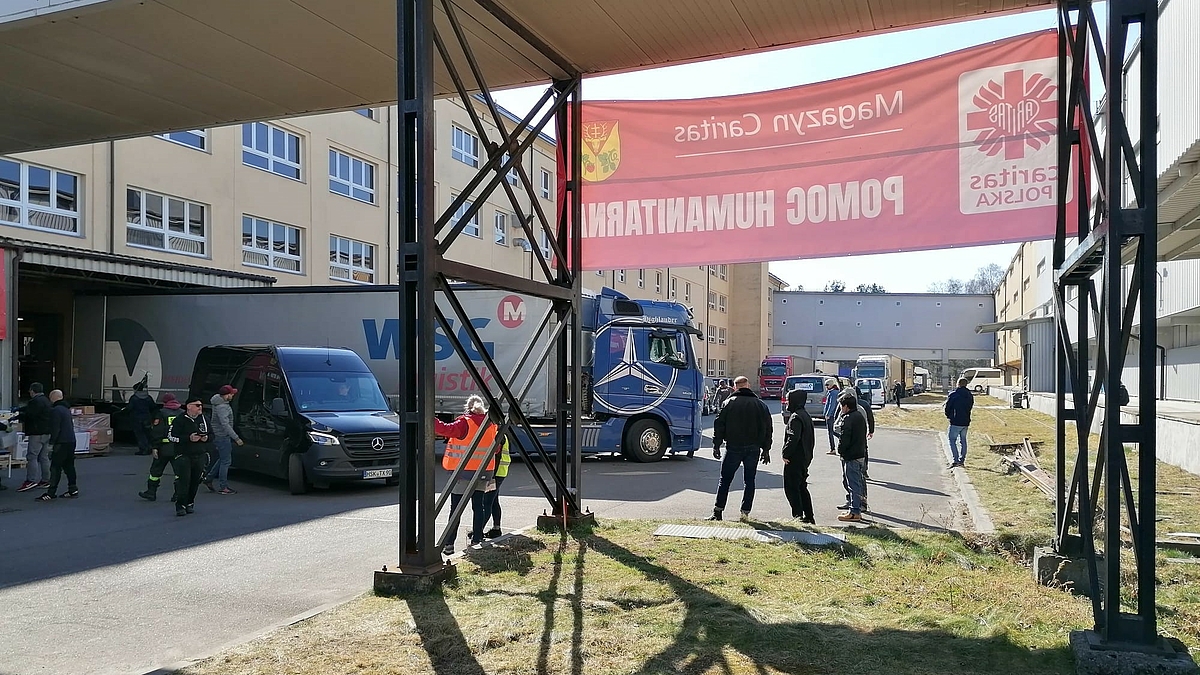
<point x="958" y="150"/>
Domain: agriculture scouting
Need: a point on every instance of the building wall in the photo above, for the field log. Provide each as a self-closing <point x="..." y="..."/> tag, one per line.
<point x="916" y="326"/>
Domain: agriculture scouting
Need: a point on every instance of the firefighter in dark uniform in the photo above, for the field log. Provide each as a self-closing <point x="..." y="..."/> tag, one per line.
<point x="191" y="434"/>
<point x="162" y="448"/>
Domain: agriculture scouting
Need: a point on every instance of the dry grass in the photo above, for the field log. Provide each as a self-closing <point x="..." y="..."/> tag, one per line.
<point x="1024" y="517"/>
<point x="617" y="600"/>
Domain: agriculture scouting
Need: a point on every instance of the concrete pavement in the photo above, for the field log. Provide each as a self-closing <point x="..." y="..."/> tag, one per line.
<point x="111" y="584"/>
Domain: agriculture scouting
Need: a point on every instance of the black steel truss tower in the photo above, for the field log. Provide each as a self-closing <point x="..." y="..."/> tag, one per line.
<point x="1117" y="240"/>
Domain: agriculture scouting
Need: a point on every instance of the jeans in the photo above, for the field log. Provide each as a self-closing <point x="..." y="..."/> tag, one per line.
<point x="745" y="457"/>
<point x="481" y="510"/>
<point x="832" y="436"/>
<point x="37" y="468"/>
<point x="958" y="437"/>
<point x="219" y="464"/>
<point x="852" y="472"/>
<point x="862" y="493"/>
<point x="62" y="460"/>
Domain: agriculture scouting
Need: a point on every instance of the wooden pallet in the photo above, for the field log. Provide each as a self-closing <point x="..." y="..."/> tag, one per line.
<point x="1025" y="461"/>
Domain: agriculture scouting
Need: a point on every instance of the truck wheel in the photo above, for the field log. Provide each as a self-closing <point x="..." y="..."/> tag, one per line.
<point x="646" y="441"/>
<point x="296" y="479"/>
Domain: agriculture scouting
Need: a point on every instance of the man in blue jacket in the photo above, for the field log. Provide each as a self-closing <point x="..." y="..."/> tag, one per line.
<point x="958" y="411"/>
<point x="832" y="391"/>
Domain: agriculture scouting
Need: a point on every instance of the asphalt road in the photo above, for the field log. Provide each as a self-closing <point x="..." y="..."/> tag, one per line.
<point x="109" y="583"/>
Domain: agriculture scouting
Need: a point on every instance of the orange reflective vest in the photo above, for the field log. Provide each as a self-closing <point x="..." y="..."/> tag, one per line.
<point x="456" y="449"/>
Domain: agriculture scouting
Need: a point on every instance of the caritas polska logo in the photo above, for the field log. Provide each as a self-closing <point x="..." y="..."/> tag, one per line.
<point x="1008" y="151"/>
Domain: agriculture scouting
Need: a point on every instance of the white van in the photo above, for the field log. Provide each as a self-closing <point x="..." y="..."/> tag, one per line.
<point x="872" y="387"/>
<point x="979" y="379"/>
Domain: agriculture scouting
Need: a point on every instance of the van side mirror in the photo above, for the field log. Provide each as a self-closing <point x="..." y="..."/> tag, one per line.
<point x="278" y="407"/>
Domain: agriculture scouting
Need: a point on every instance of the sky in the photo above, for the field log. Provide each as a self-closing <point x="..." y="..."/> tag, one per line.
<point x="896" y="272"/>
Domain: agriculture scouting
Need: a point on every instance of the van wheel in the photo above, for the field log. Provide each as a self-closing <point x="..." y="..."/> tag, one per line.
<point x="646" y="441"/>
<point x="296" y="480"/>
<point x="978" y="389"/>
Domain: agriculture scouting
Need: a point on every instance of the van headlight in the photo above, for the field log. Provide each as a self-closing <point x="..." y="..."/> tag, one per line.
<point x="321" y="438"/>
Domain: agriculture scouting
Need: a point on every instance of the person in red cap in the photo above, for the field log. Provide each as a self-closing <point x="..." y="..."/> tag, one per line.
<point x="161" y="447"/>
<point x="224" y="436"/>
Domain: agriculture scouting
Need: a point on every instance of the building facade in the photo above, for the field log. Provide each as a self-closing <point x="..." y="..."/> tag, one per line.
<point x="301" y="202"/>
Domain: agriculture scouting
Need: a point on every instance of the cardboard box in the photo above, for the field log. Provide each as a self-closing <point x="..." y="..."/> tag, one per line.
<point x="89" y="421"/>
<point x="84" y="410"/>
<point x="100" y="438"/>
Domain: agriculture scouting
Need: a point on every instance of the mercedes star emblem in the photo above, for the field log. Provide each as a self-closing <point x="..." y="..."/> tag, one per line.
<point x="377" y="443"/>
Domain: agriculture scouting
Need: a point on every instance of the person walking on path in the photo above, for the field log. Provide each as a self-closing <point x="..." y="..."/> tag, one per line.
<point x="501" y="474"/>
<point x="832" y="390"/>
<point x="460" y="434"/>
<point x="162" y="448"/>
<point x="224" y="437"/>
<point x="62" y="457"/>
<point x="744" y="424"/>
<point x="898" y="392"/>
<point x="958" y="411"/>
<point x="36" y="423"/>
<point x="852" y="446"/>
<point x="141" y="409"/>
<point x="798" y="444"/>
<point x="191" y="434"/>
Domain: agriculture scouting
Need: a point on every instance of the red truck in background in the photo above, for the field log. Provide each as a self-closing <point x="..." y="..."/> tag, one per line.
<point x="775" y="369"/>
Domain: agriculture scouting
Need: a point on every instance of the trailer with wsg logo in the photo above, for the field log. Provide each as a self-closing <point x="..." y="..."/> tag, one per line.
<point x="641" y="382"/>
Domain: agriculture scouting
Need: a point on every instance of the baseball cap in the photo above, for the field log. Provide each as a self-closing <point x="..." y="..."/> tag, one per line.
<point x="226" y="390"/>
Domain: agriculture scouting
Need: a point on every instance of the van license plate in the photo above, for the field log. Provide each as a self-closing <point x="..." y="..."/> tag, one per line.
<point x="377" y="473"/>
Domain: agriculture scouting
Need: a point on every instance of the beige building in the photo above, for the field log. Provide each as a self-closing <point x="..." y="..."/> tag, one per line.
<point x="304" y="201"/>
<point x="1026" y="292"/>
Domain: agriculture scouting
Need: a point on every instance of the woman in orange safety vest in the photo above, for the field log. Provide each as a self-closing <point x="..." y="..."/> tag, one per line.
<point x="460" y="434"/>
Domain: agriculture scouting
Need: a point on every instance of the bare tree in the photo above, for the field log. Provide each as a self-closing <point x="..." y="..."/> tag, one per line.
<point x="835" y="286"/>
<point x="869" y="288"/>
<point x="947" y="286"/>
<point x="986" y="280"/>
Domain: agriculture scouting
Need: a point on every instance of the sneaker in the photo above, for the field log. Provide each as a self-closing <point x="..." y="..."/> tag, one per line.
<point x="227" y="491"/>
<point x="716" y="515"/>
<point x="27" y="486"/>
<point x="745" y="517"/>
<point x="493" y="533"/>
<point x="190" y="508"/>
<point x="42" y="485"/>
<point x="809" y="521"/>
<point x="180" y="511"/>
<point x="48" y="497"/>
<point x="70" y="494"/>
<point x="850" y="518"/>
<point x="209" y="484"/>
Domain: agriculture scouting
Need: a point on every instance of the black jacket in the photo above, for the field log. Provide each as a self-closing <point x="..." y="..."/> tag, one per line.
<point x="864" y="405"/>
<point x="853" y="442"/>
<point x="35" y="416"/>
<point x="744" y="421"/>
<point x="62" y="427"/>
<point x="800" y="438"/>
<point x="958" y="407"/>
<point x="181" y="435"/>
<point x="160" y="427"/>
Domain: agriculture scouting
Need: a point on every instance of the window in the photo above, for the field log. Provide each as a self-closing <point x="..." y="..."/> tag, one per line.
<point x="621" y="276"/>
<point x="721" y="368"/>
<point x="38" y="198"/>
<point x="545" y="246"/>
<point x="668" y="349"/>
<point x="724" y="269"/>
<point x="368" y="113"/>
<point x="472" y="227"/>
<point x="700" y="327"/>
<point x="712" y="333"/>
<point x="1041" y="267"/>
<point x="641" y="278"/>
<point x="165" y="223"/>
<point x="674" y="286"/>
<point x="687" y="291"/>
<point x="511" y="176"/>
<point x="272" y="245"/>
<point x="938" y="325"/>
<point x="464" y="146"/>
<point x="712" y="270"/>
<point x="351" y="260"/>
<point x="712" y="367"/>
<point x="545" y="189"/>
<point x="501" y="228"/>
<point x="712" y="300"/>
<point x="658" y="282"/>
<point x="820" y="323"/>
<point x="351" y="177"/>
<point x="599" y="273"/>
<point x="721" y="302"/>
<point x="267" y="147"/>
<point x="720" y="336"/>
<point x="196" y="138"/>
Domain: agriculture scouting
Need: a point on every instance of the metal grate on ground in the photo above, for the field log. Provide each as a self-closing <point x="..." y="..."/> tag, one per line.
<point x="765" y="536"/>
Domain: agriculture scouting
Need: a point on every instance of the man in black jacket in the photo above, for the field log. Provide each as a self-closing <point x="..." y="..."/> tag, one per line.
<point x="798" y="445"/>
<point x="161" y="447"/>
<point x="35" y="422"/>
<point x="190" y="434"/>
<point x="958" y="410"/>
<point x="62" y="457"/>
<point x="852" y="446"/>
<point x="744" y="424"/>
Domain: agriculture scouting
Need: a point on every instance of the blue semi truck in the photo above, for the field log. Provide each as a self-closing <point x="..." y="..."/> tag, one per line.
<point x="642" y="387"/>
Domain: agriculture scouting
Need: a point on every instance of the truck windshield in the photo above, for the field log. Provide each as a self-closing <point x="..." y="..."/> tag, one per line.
<point x="870" y="370"/>
<point x="336" y="392"/>
<point x="774" y="369"/>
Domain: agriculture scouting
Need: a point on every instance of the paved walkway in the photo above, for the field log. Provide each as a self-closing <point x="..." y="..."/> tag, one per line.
<point x="111" y="584"/>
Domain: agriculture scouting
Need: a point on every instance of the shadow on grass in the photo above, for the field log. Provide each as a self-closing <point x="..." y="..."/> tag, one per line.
<point x="441" y="636"/>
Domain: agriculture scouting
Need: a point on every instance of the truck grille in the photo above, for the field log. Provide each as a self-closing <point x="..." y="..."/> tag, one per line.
<point x="360" y="445"/>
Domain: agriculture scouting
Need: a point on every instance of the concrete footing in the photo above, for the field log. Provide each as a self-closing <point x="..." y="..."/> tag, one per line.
<point x="412" y="581"/>
<point x="1070" y="574"/>
<point x="1095" y="657"/>
<point x="554" y="523"/>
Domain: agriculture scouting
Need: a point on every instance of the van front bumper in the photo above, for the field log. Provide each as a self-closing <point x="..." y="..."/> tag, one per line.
<point x="339" y="467"/>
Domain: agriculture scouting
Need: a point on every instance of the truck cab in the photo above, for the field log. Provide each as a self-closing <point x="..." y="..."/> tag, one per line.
<point x="310" y="415"/>
<point x="772" y="373"/>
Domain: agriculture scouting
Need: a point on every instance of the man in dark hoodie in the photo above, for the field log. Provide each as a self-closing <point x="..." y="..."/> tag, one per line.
<point x="744" y="423"/>
<point x="62" y="458"/>
<point x="163" y="449"/>
<point x="223" y="438"/>
<point x="190" y="433"/>
<point x="35" y="422"/>
<point x="852" y="446"/>
<point x="141" y="409"/>
<point x="798" y="445"/>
